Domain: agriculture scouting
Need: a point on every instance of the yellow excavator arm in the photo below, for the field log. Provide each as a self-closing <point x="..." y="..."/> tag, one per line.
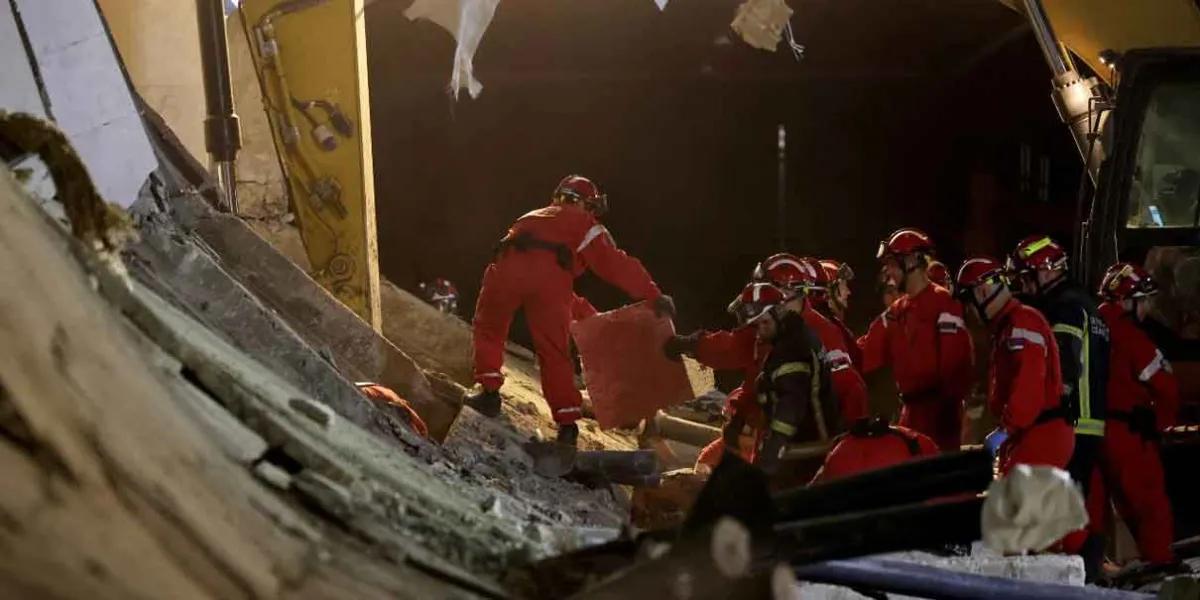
<point x="310" y="57"/>
<point x="1089" y="27"/>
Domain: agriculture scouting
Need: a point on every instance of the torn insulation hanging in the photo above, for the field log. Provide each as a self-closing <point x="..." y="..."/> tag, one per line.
<point x="466" y="20"/>
<point x="763" y="23"/>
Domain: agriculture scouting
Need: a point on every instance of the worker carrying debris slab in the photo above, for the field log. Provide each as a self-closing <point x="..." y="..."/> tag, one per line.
<point x="534" y="268"/>
<point x="923" y="337"/>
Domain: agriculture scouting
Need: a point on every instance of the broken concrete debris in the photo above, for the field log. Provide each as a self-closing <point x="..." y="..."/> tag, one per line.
<point x="434" y="518"/>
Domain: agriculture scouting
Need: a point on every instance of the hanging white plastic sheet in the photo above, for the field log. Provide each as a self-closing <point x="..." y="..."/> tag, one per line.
<point x="466" y="20"/>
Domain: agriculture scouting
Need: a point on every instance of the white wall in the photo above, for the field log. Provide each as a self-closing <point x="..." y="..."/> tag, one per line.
<point x="89" y="98"/>
<point x="18" y="88"/>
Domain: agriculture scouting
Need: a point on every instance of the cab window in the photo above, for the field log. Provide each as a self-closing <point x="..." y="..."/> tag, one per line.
<point x="1166" y="182"/>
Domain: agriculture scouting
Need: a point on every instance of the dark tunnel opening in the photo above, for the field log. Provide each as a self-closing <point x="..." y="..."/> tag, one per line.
<point x="926" y="113"/>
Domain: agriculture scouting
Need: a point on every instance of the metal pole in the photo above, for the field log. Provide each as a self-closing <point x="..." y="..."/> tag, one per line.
<point x="781" y="188"/>
<point x="222" y="135"/>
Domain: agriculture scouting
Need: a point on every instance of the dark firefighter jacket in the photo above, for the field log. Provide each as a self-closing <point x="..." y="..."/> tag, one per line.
<point x="794" y="391"/>
<point x="1083" y="345"/>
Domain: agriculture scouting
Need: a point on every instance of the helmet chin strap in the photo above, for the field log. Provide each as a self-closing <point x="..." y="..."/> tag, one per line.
<point x="981" y="307"/>
<point x="902" y="285"/>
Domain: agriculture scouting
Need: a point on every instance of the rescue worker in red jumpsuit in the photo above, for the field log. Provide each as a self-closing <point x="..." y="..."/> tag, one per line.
<point x="1142" y="401"/>
<point x="535" y="268"/>
<point x="835" y="301"/>
<point x="1040" y="264"/>
<point x="925" y="340"/>
<point x="1024" y="385"/>
<point x="870" y="444"/>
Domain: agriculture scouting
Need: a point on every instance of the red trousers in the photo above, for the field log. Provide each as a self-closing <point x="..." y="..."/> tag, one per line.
<point x="535" y="282"/>
<point x="1046" y="444"/>
<point x="1131" y="471"/>
<point x="938" y="418"/>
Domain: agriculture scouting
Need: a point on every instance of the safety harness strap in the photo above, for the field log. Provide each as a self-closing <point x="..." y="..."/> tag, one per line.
<point x="525" y="241"/>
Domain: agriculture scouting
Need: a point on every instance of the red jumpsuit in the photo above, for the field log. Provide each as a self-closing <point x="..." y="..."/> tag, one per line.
<point x="1139" y="379"/>
<point x="925" y="340"/>
<point x="847" y="383"/>
<point x="729" y="350"/>
<point x="1025" y="390"/>
<point x="566" y="241"/>
<point x="857" y="452"/>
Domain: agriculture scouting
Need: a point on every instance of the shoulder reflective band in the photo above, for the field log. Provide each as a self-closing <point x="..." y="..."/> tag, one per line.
<point x="593" y="233"/>
<point x="1018" y="333"/>
<point x="838" y="360"/>
<point x="784" y="428"/>
<point x="1153" y="368"/>
<point x="1029" y="250"/>
<point x="948" y="323"/>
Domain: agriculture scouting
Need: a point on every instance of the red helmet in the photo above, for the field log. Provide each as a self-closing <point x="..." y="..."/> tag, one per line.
<point x="577" y="189"/>
<point x="939" y="274"/>
<point x="757" y="299"/>
<point x="904" y="242"/>
<point x="790" y="272"/>
<point x="836" y="270"/>
<point x="1037" y="252"/>
<point x="1124" y="281"/>
<point x="978" y="271"/>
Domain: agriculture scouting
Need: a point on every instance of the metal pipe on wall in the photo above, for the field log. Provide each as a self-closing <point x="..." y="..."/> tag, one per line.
<point x="222" y="134"/>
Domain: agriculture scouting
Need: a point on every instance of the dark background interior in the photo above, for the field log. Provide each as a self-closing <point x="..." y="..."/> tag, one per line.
<point x="902" y="113"/>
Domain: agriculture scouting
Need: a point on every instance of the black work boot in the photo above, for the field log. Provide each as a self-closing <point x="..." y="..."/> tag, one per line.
<point x="486" y="402"/>
<point x="568" y="435"/>
<point x="557" y="458"/>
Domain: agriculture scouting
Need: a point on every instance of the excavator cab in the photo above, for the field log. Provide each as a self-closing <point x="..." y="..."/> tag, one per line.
<point x="1147" y="204"/>
<point x="1146" y="209"/>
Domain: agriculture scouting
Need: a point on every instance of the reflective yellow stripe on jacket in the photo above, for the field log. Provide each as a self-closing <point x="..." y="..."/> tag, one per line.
<point x="1086" y="425"/>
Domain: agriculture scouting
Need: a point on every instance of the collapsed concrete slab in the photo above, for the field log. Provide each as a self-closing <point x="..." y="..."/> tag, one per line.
<point x="306" y="308"/>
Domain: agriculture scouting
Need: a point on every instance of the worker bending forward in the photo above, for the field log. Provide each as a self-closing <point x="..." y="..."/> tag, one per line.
<point x="871" y="443"/>
<point x="1024" y="386"/>
<point x="793" y="388"/>
<point x="925" y="340"/>
<point x="1142" y="402"/>
<point x="535" y="268"/>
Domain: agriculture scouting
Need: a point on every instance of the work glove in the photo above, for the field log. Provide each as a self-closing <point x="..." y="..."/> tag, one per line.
<point x="993" y="441"/>
<point x="678" y="345"/>
<point x="664" y="305"/>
